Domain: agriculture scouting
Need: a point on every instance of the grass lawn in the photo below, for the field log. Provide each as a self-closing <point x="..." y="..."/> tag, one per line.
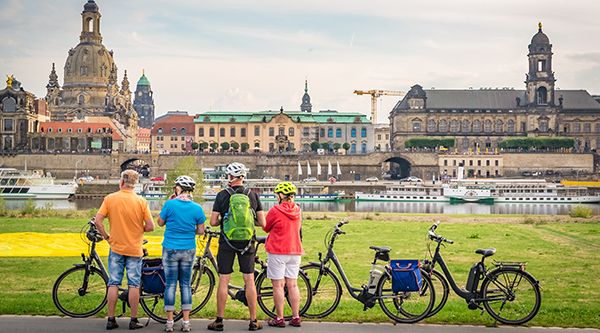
<point x="563" y="254"/>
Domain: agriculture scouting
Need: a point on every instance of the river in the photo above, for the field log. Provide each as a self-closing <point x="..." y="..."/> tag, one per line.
<point x="361" y="206"/>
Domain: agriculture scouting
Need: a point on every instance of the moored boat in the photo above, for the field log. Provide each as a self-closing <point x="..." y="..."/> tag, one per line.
<point x="21" y="185"/>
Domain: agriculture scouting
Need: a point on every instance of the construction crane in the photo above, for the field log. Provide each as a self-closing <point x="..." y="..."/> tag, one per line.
<point x="375" y="94"/>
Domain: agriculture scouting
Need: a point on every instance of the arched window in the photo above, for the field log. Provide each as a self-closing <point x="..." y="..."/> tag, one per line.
<point x="182" y="130"/>
<point x="211" y="132"/>
<point x="281" y="130"/>
<point x="60" y="130"/>
<point x="443" y="127"/>
<point x="81" y="99"/>
<point x="544" y="126"/>
<point x="363" y="132"/>
<point x="454" y="126"/>
<point x="271" y="131"/>
<point x="79" y="130"/>
<point x="488" y="126"/>
<point x="465" y="126"/>
<point x="353" y="148"/>
<point x="70" y="130"/>
<point x="256" y="130"/>
<point x="511" y="126"/>
<point x="330" y="132"/>
<point x="99" y="130"/>
<point x="160" y="130"/>
<point x="49" y="129"/>
<point x="173" y="130"/>
<point x="222" y="131"/>
<point x="338" y="133"/>
<point x="232" y="132"/>
<point x="291" y="131"/>
<point x="488" y="143"/>
<point x="363" y="148"/>
<point x="499" y="126"/>
<point x="9" y="105"/>
<point x="476" y="126"/>
<point x="542" y="95"/>
<point x="353" y="134"/>
<point x="431" y="126"/>
<point x="201" y="131"/>
<point x="83" y="70"/>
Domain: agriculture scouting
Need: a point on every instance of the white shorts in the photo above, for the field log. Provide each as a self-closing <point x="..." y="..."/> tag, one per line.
<point x="283" y="265"/>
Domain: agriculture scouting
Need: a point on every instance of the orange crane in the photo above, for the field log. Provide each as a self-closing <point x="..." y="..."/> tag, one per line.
<point x="375" y="94"/>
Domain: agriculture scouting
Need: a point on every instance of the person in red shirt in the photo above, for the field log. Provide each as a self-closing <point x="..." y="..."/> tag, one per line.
<point x="284" y="249"/>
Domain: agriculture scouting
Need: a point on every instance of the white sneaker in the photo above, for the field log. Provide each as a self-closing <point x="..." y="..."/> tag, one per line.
<point x="186" y="327"/>
<point x="169" y="327"/>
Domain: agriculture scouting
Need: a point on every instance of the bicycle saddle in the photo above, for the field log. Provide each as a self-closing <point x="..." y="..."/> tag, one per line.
<point x="382" y="249"/>
<point x="144" y="242"/>
<point x="261" y="239"/>
<point x="487" y="252"/>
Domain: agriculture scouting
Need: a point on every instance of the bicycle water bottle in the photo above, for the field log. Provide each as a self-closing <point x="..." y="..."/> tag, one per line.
<point x="225" y="217"/>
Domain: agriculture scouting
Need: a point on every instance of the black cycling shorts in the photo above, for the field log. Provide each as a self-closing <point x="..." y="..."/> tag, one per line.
<point x="226" y="255"/>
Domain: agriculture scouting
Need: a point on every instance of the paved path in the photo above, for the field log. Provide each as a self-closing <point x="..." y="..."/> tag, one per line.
<point x="65" y="325"/>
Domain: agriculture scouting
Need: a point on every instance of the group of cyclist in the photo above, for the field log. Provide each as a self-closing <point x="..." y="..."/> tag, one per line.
<point x="129" y="217"/>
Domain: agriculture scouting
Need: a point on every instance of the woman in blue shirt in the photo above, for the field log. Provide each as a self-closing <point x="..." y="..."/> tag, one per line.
<point x="183" y="219"/>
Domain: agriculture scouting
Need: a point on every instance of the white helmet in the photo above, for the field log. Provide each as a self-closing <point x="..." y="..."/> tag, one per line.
<point x="186" y="183"/>
<point x="235" y="169"/>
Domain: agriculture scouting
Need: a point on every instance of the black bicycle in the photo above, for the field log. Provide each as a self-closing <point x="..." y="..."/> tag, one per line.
<point x="402" y="307"/>
<point x="81" y="291"/>
<point x="510" y="294"/>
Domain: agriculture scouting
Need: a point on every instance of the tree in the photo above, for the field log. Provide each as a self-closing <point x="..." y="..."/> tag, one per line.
<point x="195" y="145"/>
<point x="245" y="146"/>
<point x="336" y="146"/>
<point x="315" y="146"/>
<point x="235" y="145"/>
<point x="346" y="146"/>
<point x="186" y="166"/>
<point x="214" y="145"/>
<point x="203" y="145"/>
<point x="325" y="145"/>
<point x="225" y="145"/>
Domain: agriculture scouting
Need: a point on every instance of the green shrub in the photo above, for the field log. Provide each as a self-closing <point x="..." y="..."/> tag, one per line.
<point x="92" y="212"/>
<point x="29" y="208"/>
<point x="474" y="236"/>
<point x="580" y="211"/>
<point x="3" y="209"/>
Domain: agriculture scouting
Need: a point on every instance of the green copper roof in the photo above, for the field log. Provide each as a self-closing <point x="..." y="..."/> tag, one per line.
<point x="143" y="81"/>
<point x="266" y="116"/>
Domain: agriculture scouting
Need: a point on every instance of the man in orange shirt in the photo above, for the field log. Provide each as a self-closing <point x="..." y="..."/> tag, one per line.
<point x="128" y="218"/>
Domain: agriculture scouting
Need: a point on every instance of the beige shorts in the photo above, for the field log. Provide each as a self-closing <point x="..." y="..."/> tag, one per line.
<point x="283" y="265"/>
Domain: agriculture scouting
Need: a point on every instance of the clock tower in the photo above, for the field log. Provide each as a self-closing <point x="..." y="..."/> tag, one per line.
<point x="144" y="102"/>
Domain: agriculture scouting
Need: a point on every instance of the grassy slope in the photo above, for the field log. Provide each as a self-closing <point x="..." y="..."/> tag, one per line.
<point x="563" y="256"/>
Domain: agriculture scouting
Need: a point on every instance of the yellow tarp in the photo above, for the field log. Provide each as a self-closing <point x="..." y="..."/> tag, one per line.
<point x="35" y="244"/>
<point x="578" y="183"/>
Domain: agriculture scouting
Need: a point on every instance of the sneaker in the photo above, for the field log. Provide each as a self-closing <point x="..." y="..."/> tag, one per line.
<point x="186" y="327"/>
<point x="169" y="327"/>
<point x="112" y="324"/>
<point x="277" y="322"/>
<point x="216" y="326"/>
<point x="296" y="322"/>
<point x="134" y="324"/>
<point x="254" y="325"/>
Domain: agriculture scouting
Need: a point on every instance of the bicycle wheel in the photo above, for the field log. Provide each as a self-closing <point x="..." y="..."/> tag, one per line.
<point x="442" y="290"/>
<point x="511" y="296"/>
<point x="203" y="284"/>
<point x="326" y="291"/>
<point x="406" y="307"/>
<point x="79" y="293"/>
<point x="264" y="290"/>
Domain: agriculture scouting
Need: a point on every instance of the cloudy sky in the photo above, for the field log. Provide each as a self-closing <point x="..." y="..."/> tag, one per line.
<point x="254" y="55"/>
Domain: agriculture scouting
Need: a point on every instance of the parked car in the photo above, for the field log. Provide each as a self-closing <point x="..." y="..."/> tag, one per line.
<point x="412" y="179"/>
<point x="549" y="172"/>
<point x="332" y="179"/>
<point x="158" y="179"/>
<point x="526" y="174"/>
<point x="310" y="179"/>
<point x="85" y="179"/>
<point x="372" y="179"/>
<point x="534" y="173"/>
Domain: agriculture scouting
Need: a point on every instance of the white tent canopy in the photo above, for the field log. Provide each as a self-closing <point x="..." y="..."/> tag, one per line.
<point x="329" y="172"/>
<point x="339" y="171"/>
<point x="318" y="168"/>
<point x="299" y="169"/>
<point x="308" y="168"/>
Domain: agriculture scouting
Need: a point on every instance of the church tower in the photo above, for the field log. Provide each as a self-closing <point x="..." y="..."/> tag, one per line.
<point x="540" y="79"/>
<point x="306" y="106"/>
<point x="144" y="102"/>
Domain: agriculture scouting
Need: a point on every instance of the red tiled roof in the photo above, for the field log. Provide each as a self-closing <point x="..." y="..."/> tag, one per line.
<point x="178" y="122"/>
<point x="75" y="126"/>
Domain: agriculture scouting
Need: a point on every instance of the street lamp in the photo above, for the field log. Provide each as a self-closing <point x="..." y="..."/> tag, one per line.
<point x="352" y="175"/>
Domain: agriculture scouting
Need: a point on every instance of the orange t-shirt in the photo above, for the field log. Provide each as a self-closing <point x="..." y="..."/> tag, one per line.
<point x="126" y="213"/>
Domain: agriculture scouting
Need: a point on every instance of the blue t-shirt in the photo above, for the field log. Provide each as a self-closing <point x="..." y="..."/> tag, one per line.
<point x="181" y="218"/>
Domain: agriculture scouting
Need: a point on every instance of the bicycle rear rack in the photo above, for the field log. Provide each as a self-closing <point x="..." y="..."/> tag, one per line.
<point x="518" y="264"/>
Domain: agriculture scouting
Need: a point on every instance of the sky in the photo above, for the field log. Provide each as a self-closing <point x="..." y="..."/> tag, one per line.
<point x="239" y="55"/>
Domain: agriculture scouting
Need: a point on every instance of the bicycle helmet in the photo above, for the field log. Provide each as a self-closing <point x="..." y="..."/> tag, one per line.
<point x="186" y="183"/>
<point x="285" y="188"/>
<point x="235" y="169"/>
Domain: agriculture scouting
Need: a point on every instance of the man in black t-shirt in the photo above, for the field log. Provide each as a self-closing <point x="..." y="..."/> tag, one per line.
<point x="227" y="253"/>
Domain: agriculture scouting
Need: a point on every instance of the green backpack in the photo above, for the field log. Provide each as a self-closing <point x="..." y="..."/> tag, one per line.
<point x="239" y="222"/>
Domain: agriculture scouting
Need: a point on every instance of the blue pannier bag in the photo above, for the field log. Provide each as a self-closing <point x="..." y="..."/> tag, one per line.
<point x="406" y="275"/>
<point x="153" y="276"/>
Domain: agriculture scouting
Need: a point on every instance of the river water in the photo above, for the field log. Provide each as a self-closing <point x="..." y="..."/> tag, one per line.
<point x="361" y="206"/>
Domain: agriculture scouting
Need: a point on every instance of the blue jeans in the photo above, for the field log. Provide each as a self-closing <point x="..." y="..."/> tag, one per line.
<point x="178" y="266"/>
<point x="116" y="267"/>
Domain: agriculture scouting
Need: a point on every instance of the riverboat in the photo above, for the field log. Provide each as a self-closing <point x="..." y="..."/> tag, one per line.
<point x="21" y="185"/>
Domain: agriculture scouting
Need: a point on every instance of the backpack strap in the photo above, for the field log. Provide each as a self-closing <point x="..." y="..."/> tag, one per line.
<point x="246" y="192"/>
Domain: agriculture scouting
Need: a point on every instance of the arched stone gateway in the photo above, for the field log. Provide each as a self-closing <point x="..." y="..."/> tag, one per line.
<point x="138" y="165"/>
<point x="396" y="168"/>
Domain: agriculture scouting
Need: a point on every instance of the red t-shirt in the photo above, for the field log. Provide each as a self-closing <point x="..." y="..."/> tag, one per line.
<point x="283" y="225"/>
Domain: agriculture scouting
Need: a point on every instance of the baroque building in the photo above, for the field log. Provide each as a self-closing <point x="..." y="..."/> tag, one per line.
<point x="144" y="102"/>
<point x="19" y="115"/>
<point x="479" y="119"/>
<point x="90" y="86"/>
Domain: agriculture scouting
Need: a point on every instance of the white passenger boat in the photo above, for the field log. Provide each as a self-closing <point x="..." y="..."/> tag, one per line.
<point x="21" y="185"/>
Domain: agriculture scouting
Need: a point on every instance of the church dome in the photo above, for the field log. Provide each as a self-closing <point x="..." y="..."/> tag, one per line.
<point x="143" y="81"/>
<point x="540" y="43"/>
<point x="90" y="6"/>
<point x="540" y="38"/>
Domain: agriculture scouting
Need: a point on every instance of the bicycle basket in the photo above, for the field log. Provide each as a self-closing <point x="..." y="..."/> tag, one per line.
<point x="406" y="275"/>
<point x="153" y="276"/>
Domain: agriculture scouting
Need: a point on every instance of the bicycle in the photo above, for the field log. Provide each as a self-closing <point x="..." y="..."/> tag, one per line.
<point x="203" y="282"/>
<point x="508" y="293"/>
<point x="402" y="307"/>
<point x="81" y="291"/>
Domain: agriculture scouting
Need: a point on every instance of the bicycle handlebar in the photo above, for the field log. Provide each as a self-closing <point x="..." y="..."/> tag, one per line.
<point x="435" y="237"/>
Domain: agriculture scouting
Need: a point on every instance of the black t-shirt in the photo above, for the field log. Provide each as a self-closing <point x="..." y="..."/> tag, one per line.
<point x="221" y="204"/>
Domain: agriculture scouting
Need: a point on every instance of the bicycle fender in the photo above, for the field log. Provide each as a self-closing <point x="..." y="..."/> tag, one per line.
<point x="513" y="269"/>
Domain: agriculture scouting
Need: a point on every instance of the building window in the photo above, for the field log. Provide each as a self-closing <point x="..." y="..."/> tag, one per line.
<point x="443" y="127"/>
<point x="488" y="126"/>
<point x="353" y="148"/>
<point x="567" y="128"/>
<point x="330" y="132"/>
<point x="587" y="144"/>
<point x="576" y="128"/>
<point x="454" y="126"/>
<point x="476" y="126"/>
<point x="496" y="162"/>
<point x="465" y="143"/>
<point x="470" y="162"/>
<point x="378" y="137"/>
<point x="160" y="130"/>
<point x="173" y="130"/>
<point x="499" y="126"/>
<point x="70" y="130"/>
<point x="431" y="126"/>
<point x="465" y="126"/>
<point x="271" y="131"/>
<point x="488" y="143"/>
<point x="338" y="133"/>
<point x="291" y="131"/>
<point x="478" y="162"/>
<point x="363" y="132"/>
<point x="256" y="130"/>
<point x="8" y="125"/>
<point x="542" y="95"/>
<point x="353" y="132"/>
<point x="587" y="128"/>
<point x="243" y="132"/>
<point x="222" y="132"/>
<point x="416" y="127"/>
<point x="201" y="132"/>
<point x="9" y="105"/>
<point x="281" y="130"/>
<point x="511" y="126"/>
<point x="83" y="70"/>
<point x="256" y="145"/>
<point x="363" y="148"/>
<point x="322" y="132"/>
<point x="598" y="128"/>
<point x="232" y="132"/>
<point x="271" y="146"/>
<point x="79" y="130"/>
<point x="182" y="130"/>
<point x="445" y="162"/>
<point x="306" y="131"/>
<point x="211" y="132"/>
<point x="523" y="127"/>
<point x="544" y="126"/>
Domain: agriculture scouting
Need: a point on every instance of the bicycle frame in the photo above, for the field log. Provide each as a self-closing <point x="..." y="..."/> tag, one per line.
<point x="437" y="258"/>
